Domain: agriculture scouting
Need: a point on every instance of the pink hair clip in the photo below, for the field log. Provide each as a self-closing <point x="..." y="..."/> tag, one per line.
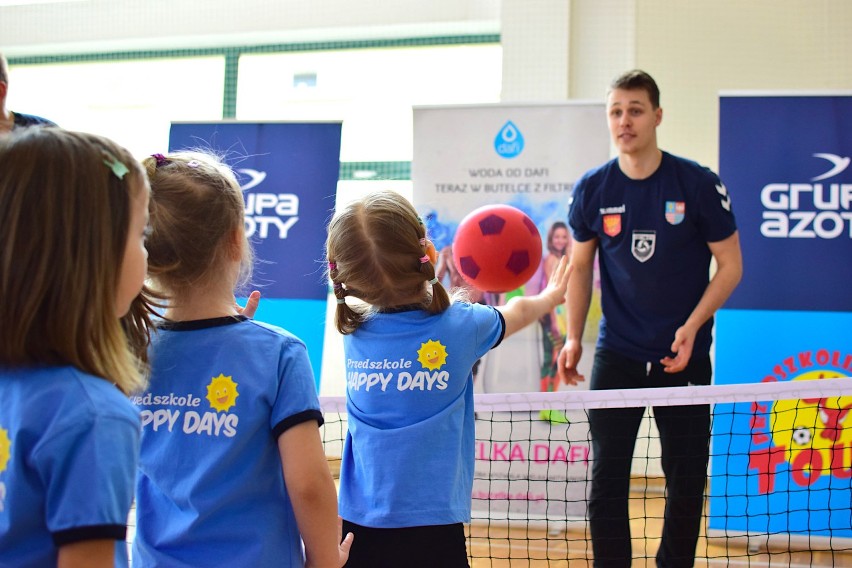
<point x="332" y="266"/>
<point x="424" y="259"/>
<point x="161" y="160"/>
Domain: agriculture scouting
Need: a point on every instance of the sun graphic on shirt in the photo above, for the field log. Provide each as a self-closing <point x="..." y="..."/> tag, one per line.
<point x="5" y="449"/>
<point x="222" y="393"/>
<point x="432" y="355"/>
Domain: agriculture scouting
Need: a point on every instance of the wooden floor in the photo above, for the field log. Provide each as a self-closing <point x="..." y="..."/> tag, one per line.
<point x="516" y="547"/>
<point x="499" y="546"/>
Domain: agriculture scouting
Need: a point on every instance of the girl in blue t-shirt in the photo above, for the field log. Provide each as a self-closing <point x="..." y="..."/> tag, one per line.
<point x="407" y="470"/>
<point x="232" y="470"/>
<point x="73" y="217"/>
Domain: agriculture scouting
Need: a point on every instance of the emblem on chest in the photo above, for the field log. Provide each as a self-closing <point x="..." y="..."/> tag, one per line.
<point x="612" y="224"/>
<point x="643" y="245"/>
<point x="675" y="211"/>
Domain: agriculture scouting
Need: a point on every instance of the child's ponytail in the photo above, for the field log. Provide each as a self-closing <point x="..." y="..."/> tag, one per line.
<point x="440" y="297"/>
<point x="347" y="319"/>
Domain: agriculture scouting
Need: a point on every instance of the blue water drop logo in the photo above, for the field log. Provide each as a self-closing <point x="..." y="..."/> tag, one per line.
<point x="509" y="142"/>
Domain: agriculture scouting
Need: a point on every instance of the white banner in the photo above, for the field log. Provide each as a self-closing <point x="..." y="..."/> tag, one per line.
<point x="527" y="156"/>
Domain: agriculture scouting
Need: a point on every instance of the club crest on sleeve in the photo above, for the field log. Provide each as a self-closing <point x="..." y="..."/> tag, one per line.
<point x="675" y="211"/>
<point x="643" y="245"/>
<point x="612" y="224"/>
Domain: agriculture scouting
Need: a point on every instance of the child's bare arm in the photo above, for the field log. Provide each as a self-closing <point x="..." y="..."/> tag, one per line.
<point x="87" y="554"/>
<point x="521" y="311"/>
<point x="314" y="497"/>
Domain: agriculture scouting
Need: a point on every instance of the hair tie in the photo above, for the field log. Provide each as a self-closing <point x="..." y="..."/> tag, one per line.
<point x="332" y="266"/>
<point x="161" y="160"/>
<point x="341" y="301"/>
<point x="423" y="241"/>
<point x="424" y="259"/>
<point x="434" y="281"/>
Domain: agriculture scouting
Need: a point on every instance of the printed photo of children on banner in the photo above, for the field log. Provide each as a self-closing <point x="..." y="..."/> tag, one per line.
<point x="528" y="157"/>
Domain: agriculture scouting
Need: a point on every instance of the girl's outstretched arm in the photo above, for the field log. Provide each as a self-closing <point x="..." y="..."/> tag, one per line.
<point x="521" y="311"/>
<point x="314" y="497"/>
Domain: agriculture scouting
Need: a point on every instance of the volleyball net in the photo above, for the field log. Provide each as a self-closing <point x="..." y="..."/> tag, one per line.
<point x="779" y="490"/>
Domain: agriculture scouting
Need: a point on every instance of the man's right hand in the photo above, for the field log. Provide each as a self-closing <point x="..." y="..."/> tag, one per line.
<point x="569" y="357"/>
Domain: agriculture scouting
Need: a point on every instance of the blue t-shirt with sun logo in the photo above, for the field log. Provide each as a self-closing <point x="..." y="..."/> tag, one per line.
<point x="210" y="489"/>
<point x="409" y="452"/>
<point x="68" y="448"/>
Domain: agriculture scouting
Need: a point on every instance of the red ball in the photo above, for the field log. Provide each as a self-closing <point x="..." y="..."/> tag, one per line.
<point x="497" y="248"/>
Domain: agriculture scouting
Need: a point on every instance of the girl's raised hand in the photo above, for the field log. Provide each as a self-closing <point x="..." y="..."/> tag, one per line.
<point x="251" y="305"/>
<point x="557" y="286"/>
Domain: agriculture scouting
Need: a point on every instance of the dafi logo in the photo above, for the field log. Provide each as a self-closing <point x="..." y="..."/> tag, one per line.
<point x="268" y="215"/>
<point x="509" y="141"/>
<point x="816" y="210"/>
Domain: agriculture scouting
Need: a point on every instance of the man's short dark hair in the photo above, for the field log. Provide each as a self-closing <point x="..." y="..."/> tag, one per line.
<point x="636" y="80"/>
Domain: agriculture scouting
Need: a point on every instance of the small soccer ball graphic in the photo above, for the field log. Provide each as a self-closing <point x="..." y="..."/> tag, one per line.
<point x="802" y="436"/>
<point x="497" y="248"/>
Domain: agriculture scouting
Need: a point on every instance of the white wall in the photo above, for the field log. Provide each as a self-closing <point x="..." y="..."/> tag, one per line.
<point x="553" y="49"/>
<point x="697" y="48"/>
<point x="104" y="25"/>
<point x="535" y="36"/>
